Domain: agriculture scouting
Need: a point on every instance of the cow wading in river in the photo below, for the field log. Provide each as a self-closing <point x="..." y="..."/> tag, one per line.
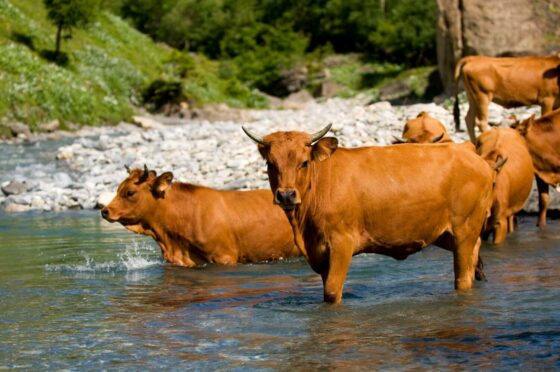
<point x="509" y="82"/>
<point x="194" y="225"/>
<point x="543" y="139"/>
<point x="392" y="200"/>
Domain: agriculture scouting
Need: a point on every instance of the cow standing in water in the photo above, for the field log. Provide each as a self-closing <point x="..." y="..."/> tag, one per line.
<point x="392" y="200"/>
<point x="543" y="139"/>
<point x="194" y="225"/>
<point x="509" y="82"/>
<point x="504" y="150"/>
<point x="514" y="180"/>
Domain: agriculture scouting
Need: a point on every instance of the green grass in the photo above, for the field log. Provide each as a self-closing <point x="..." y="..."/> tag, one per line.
<point x="109" y="64"/>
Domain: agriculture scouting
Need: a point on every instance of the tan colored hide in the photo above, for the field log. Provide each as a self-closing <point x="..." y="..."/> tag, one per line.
<point x="195" y="224"/>
<point x="509" y="82"/>
<point x="392" y="200"/>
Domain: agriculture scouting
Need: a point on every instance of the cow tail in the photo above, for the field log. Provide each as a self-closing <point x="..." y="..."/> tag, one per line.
<point x="456" y="110"/>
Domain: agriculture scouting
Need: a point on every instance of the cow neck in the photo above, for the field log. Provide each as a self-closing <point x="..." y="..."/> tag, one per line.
<point x="171" y="217"/>
<point x="304" y="216"/>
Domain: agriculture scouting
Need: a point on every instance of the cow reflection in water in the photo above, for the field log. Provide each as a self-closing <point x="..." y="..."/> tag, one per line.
<point x="194" y="225"/>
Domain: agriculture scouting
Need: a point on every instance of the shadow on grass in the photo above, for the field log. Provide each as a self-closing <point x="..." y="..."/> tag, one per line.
<point x="59" y="58"/>
<point x="24" y="39"/>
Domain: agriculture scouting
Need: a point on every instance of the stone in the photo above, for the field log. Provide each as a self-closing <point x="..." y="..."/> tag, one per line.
<point x="16" y="208"/>
<point x="19" y="130"/>
<point x="329" y="89"/>
<point x="145" y="122"/>
<point x="104" y="199"/>
<point x="50" y="126"/>
<point x="15" y="187"/>
<point x="298" y="101"/>
<point x="62" y="179"/>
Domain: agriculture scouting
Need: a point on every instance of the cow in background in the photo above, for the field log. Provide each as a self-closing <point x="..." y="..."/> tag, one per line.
<point x="424" y="129"/>
<point x="509" y="82"/>
<point x="392" y="200"/>
<point x="543" y="139"/>
<point x="194" y="225"/>
<point x="505" y="150"/>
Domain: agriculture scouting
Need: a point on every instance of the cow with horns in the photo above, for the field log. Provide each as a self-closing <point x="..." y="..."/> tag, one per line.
<point x="392" y="200"/>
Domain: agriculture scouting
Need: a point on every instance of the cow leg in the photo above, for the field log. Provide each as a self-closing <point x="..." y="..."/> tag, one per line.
<point x="479" y="266"/>
<point x="500" y="230"/>
<point x="470" y="119"/>
<point x="547" y="105"/>
<point x="512" y="223"/>
<point x="482" y="114"/>
<point x="465" y="260"/>
<point x="543" y="201"/>
<point x="340" y="256"/>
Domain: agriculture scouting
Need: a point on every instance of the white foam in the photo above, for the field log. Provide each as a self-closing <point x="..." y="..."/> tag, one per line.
<point x="137" y="256"/>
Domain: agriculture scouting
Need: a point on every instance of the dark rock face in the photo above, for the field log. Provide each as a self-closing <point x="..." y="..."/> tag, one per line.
<point x="494" y="28"/>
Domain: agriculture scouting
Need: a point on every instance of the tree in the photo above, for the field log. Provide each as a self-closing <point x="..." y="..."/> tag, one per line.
<point x="68" y="14"/>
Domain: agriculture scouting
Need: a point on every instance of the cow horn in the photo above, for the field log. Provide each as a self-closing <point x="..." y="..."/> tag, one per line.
<point x="253" y="136"/>
<point x="438" y="138"/>
<point x="398" y="140"/>
<point x="127" y="168"/>
<point x="317" y="136"/>
<point x="144" y="175"/>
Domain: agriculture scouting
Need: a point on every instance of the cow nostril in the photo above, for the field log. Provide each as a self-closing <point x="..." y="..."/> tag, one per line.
<point x="279" y="196"/>
<point x="291" y="194"/>
<point x="104" y="213"/>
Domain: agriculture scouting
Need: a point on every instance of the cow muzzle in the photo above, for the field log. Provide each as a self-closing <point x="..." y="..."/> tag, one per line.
<point x="286" y="198"/>
<point x="106" y="215"/>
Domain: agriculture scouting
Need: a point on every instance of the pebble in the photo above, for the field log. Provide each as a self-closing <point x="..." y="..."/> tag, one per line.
<point x="217" y="154"/>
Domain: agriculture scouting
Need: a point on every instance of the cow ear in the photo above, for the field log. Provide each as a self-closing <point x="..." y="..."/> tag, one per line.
<point x="161" y="184"/>
<point x="324" y="148"/>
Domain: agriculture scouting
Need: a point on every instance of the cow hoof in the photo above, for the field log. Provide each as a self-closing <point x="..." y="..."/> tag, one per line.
<point x="332" y="298"/>
<point x="479" y="275"/>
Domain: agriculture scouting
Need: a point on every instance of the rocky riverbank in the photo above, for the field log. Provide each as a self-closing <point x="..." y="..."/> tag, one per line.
<point x="86" y="170"/>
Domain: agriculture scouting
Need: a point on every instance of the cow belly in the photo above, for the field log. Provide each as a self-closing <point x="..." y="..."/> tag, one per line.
<point x="398" y="252"/>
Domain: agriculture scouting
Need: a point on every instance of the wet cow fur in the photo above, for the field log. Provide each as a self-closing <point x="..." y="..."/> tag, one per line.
<point x="194" y="225"/>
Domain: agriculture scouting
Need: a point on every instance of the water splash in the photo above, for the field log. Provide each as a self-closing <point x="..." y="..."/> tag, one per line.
<point x="137" y="256"/>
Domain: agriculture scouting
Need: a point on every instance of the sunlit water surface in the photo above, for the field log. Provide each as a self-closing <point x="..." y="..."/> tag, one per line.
<point x="78" y="292"/>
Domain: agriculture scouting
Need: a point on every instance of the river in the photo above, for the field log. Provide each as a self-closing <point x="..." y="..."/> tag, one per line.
<point x="79" y="293"/>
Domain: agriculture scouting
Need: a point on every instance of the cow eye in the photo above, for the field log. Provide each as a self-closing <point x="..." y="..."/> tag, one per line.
<point x="304" y="165"/>
<point x="130" y="193"/>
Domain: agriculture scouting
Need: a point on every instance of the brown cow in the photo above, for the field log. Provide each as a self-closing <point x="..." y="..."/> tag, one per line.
<point x="392" y="200"/>
<point x="513" y="183"/>
<point x="543" y="139"/>
<point x="514" y="180"/>
<point x="194" y="224"/>
<point x="509" y="82"/>
<point x="425" y="129"/>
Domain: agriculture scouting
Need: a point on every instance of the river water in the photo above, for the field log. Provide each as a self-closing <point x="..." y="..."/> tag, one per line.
<point x="79" y="293"/>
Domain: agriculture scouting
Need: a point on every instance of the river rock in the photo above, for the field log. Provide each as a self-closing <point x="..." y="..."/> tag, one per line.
<point x="19" y="130"/>
<point x="15" y="187"/>
<point x="104" y="199"/>
<point x="145" y="122"/>
<point x="15" y="208"/>
<point x="62" y="179"/>
<point x="50" y="126"/>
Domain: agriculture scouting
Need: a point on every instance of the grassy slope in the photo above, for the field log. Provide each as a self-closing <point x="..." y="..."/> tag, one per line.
<point x="109" y="63"/>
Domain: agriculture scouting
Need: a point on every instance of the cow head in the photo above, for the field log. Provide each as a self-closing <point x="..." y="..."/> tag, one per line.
<point x="137" y="196"/>
<point x="290" y="158"/>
